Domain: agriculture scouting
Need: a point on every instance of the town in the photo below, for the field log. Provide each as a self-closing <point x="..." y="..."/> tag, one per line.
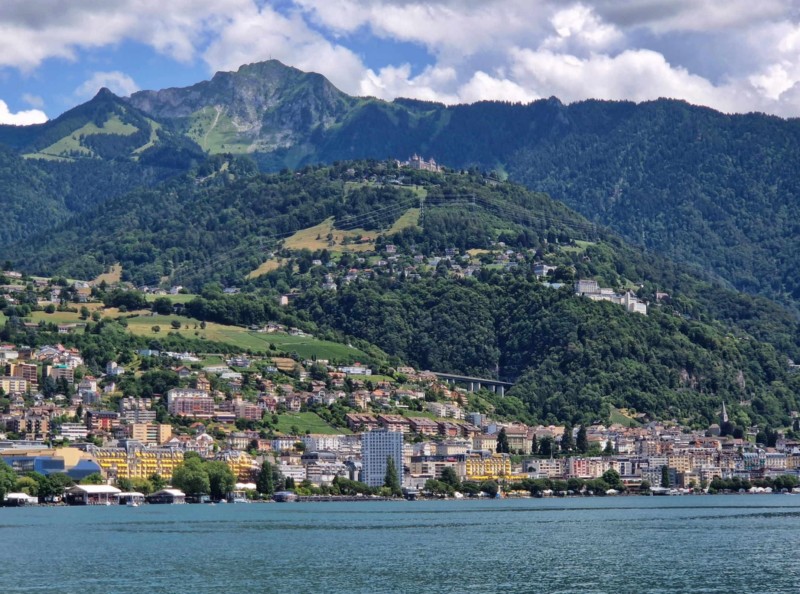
<point x="60" y="420"/>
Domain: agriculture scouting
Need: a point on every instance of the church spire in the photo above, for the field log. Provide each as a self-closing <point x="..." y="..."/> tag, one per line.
<point x="724" y="413"/>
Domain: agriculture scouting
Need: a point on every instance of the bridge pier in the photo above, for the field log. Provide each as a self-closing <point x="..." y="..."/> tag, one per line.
<point x="502" y="390"/>
<point x="472" y="386"/>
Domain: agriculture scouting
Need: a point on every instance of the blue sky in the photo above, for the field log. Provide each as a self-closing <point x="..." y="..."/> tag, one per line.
<point x="733" y="55"/>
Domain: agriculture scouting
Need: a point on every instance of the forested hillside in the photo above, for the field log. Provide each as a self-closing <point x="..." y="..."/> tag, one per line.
<point x="704" y="188"/>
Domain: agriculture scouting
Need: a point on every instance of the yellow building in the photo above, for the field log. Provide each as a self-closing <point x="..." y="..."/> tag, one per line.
<point x="477" y="467"/>
<point x="13" y="385"/>
<point x="137" y="462"/>
<point x="680" y="462"/>
<point x="241" y="464"/>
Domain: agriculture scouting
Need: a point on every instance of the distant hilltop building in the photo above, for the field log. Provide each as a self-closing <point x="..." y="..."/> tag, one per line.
<point x="417" y="162"/>
<point x="592" y="290"/>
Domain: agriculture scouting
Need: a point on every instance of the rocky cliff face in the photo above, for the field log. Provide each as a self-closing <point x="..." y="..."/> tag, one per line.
<point x="260" y="107"/>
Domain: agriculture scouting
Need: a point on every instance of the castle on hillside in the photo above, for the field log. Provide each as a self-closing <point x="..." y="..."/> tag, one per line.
<point x="417" y="162"/>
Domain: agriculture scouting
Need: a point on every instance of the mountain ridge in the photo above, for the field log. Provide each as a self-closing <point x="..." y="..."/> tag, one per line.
<point x="704" y="188"/>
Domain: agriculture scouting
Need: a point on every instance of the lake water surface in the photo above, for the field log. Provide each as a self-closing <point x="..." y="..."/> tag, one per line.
<point x="724" y="543"/>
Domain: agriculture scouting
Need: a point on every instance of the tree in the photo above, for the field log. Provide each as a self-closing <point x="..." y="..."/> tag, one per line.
<point x="582" y="442"/>
<point x="665" y="476"/>
<point x="546" y="446"/>
<point x="438" y="488"/>
<point x="264" y="482"/>
<point x="613" y="479"/>
<point x="221" y="479"/>
<point x="155" y="329"/>
<point x="84" y="312"/>
<point x="54" y="485"/>
<point x="27" y="485"/>
<point x="191" y="478"/>
<point x="93" y="479"/>
<point x="162" y="306"/>
<point x="157" y="481"/>
<point x="449" y="477"/>
<point x="534" y="446"/>
<point x="491" y="488"/>
<point x="142" y="485"/>
<point x="566" y="438"/>
<point x="391" y="479"/>
<point x="609" y="450"/>
<point x="176" y="324"/>
<point x="502" y="442"/>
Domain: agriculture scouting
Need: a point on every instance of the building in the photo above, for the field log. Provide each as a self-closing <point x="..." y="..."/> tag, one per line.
<point x="192" y="406"/>
<point x="432" y="466"/>
<point x="151" y="433"/>
<point x="27" y="371"/>
<point x="423" y="426"/>
<point x="30" y="425"/>
<point x="62" y="371"/>
<point x="74" y="431"/>
<point x="241" y="464"/>
<point x="13" y="385"/>
<point x="92" y="495"/>
<point x="73" y="462"/>
<point x="377" y="447"/>
<point x="485" y="466"/>
<point x="136" y="461"/>
<point x="167" y="496"/>
<point x="102" y="420"/>
<point x="394" y="423"/>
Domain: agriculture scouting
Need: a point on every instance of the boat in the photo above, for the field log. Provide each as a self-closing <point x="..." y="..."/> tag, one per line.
<point x="132" y="503"/>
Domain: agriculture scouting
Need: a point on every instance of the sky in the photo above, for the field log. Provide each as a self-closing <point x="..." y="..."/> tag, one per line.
<point x="731" y="55"/>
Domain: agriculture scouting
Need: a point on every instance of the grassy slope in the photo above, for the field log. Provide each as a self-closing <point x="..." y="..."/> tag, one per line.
<point x="307" y="239"/>
<point x="304" y="346"/>
<point x="72" y="142"/>
<point x="307" y="421"/>
<point x="242" y="338"/>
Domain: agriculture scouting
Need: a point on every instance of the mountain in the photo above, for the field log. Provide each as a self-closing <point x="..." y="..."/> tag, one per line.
<point x="714" y="190"/>
<point x="262" y="108"/>
<point x="50" y="172"/>
<point x="104" y="128"/>
<point x="704" y="188"/>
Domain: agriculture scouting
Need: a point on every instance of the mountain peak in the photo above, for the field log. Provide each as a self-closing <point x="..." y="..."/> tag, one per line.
<point x="105" y="93"/>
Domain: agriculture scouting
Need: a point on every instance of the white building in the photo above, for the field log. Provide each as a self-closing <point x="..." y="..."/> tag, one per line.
<point x="74" y="431"/>
<point x="377" y="447"/>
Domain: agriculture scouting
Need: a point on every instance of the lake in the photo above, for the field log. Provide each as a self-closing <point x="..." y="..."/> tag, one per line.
<point x="724" y="543"/>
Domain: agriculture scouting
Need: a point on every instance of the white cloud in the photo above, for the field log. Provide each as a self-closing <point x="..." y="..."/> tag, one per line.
<point x="483" y="87"/>
<point x="21" y="118"/>
<point x="637" y="75"/>
<point x="433" y="84"/>
<point x="669" y="16"/>
<point x="117" y="82"/>
<point x="445" y="27"/>
<point x="31" y="32"/>
<point x="255" y="34"/>
<point x="580" y="26"/>
<point x="513" y="50"/>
